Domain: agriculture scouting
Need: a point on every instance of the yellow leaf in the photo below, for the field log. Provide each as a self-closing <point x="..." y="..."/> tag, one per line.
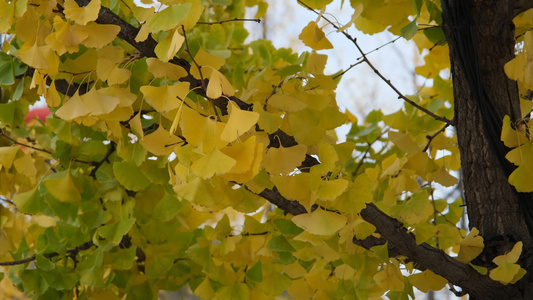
<point x="286" y="103"/>
<point x="169" y="17"/>
<point x="165" y="98"/>
<point x="214" y="162"/>
<point x="25" y="165"/>
<point x="471" y="246"/>
<point x="508" y="271"/>
<point x="160" y="142"/>
<point x="118" y="75"/>
<point x="312" y="36"/>
<point x="427" y="281"/>
<point x="164" y="69"/>
<point x="358" y="10"/>
<point x="267" y="121"/>
<point x="515" y="68"/>
<point x="82" y="15"/>
<point x="316" y="63"/>
<point x="201" y="131"/>
<point x="52" y="96"/>
<point x="357" y="197"/>
<point x="66" y="37"/>
<point x="167" y="48"/>
<point x="320" y="222"/>
<point x="510" y="136"/>
<point x="204" y="289"/>
<point x="243" y="153"/>
<point x="284" y="160"/>
<point x="219" y="85"/>
<point x="100" y="34"/>
<point x="239" y="122"/>
<point x="522" y="157"/>
<point x="7" y="155"/>
<point x="108" y="59"/>
<point x="331" y="189"/>
<point x="206" y="193"/>
<point x="99" y="103"/>
<point x="136" y="125"/>
<point x="73" y="108"/>
<point x="404" y="142"/>
<point x="443" y="177"/>
<point x="33" y="56"/>
<point x="63" y="188"/>
<point x="203" y="59"/>
<point x="390" y="278"/>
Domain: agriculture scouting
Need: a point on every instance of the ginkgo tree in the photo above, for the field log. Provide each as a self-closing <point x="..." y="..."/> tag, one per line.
<point x="171" y="139"/>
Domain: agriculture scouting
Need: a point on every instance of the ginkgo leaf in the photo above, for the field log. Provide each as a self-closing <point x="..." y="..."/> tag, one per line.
<point x="160" y="142"/>
<point x="82" y="15"/>
<point x="73" y="108"/>
<point x="317" y="4"/>
<point x="63" y="187"/>
<point x="118" y="75"/>
<point x="508" y="271"/>
<point x="164" y="69"/>
<point x="130" y="176"/>
<point x="312" y="36"/>
<point x="100" y="35"/>
<point x="320" y="222"/>
<point x="404" y="142"/>
<point x="165" y="98"/>
<point x="214" y="162"/>
<point x="286" y="103"/>
<point x="329" y="190"/>
<point x="99" y="103"/>
<point x="471" y="246"/>
<point x="53" y="99"/>
<point x="115" y="231"/>
<point x="29" y="202"/>
<point x="239" y="122"/>
<point x="7" y="155"/>
<point x="443" y="177"/>
<point x="522" y="157"/>
<point x="284" y="160"/>
<point x="201" y="131"/>
<point x="25" y="165"/>
<point x="167" y="48"/>
<point x="219" y="85"/>
<point x="316" y="63"/>
<point x="242" y="153"/>
<point x="390" y="278"/>
<point x="512" y="137"/>
<point x="203" y="58"/>
<point x="427" y="281"/>
<point x="66" y="37"/>
<point x="169" y="17"/>
<point x="358" y="10"/>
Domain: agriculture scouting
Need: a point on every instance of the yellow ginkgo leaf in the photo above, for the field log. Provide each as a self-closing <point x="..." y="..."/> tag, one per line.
<point x="100" y="34"/>
<point x="160" y="142"/>
<point x="522" y="157"/>
<point x="201" y="131"/>
<point x="66" y="37"/>
<point x="390" y="278"/>
<point x="471" y="246"/>
<point x="427" y="281"/>
<point x="118" y="75"/>
<point x="508" y="271"/>
<point x="7" y="155"/>
<point x="164" y="69"/>
<point x="167" y="48"/>
<point x="510" y="136"/>
<point x="73" y="108"/>
<point x="316" y="63"/>
<point x="108" y="58"/>
<point x="82" y="15"/>
<point x="404" y="142"/>
<point x="53" y="99"/>
<point x="240" y="121"/>
<point x="286" y="103"/>
<point x="136" y="125"/>
<point x="320" y="222"/>
<point x="204" y="59"/>
<point x="442" y="177"/>
<point x="269" y="122"/>
<point x="214" y="162"/>
<point x="165" y="98"/>
<point x="243" y="153"/>
<point x="284" y="160"/>
<point x="169" y="17"/>
<point x="63" y="187"/>
<point x="33" y="56"/>
<point x="25" y="165"/>
<point x="314" y="37"/>
<point x="329" y="190"/>
<point x="99" y="103"/>
<point x="218" y="85"/>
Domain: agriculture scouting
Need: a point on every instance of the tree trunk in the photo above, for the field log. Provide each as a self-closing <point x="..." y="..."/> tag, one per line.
<point x="480" y="34"/>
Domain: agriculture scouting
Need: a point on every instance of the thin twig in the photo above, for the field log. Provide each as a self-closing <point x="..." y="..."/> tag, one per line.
<point x="232" y="20"/>
<point x="431" y="137"/>
<point x="22" y="144"/>
<point x="378" y="73"/>
<point x="70" y="252"/>
<point x="103" y="160"/>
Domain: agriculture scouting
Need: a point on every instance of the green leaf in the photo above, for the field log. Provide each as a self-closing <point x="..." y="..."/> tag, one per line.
<point x="287" y="227"/>
<point x="167" y="208"/>
<point x="280" y="244"/>
<point x="418" y="5"/>
<point x="130" y="176"/>
<point x="409" y="30"/>
<point x="29" y="202"/>
<point x="44" y="263"/>
<point x="255" y="273"/>
<point x="169" y="17"/>
<point x="435" y="35"/>
<point x="7" y="69"/>
<point x="238" y="291"/>
<point x="114" y="232"/>
<point x="61" y="278"/>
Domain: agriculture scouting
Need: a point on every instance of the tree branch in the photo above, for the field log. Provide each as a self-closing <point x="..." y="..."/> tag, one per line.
<point x="70" y="252"/>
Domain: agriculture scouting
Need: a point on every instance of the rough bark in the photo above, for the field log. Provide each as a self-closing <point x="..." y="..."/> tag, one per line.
<point x="480" y="34"/>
